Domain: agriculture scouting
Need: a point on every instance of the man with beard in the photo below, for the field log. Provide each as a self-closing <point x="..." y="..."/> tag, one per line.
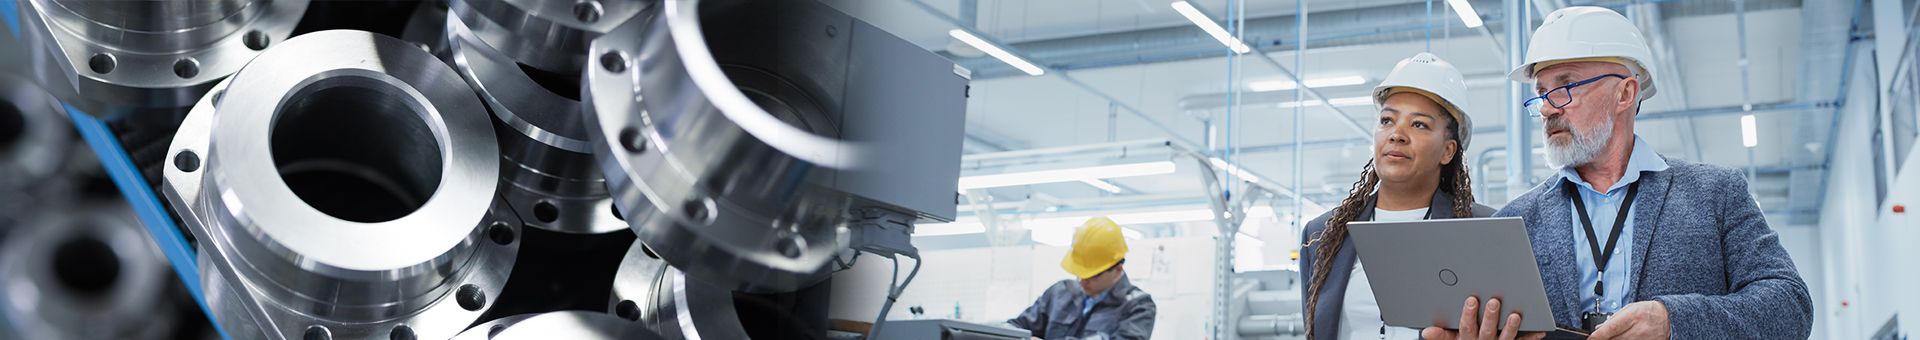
<point x="1632" y="244"/>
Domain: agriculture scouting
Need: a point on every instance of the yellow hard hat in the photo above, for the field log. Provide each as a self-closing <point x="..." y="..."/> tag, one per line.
<point x="1097" y="245"/>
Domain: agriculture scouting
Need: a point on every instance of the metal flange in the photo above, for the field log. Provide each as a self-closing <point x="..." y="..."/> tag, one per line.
<point x="654" y="295"/>
<point x="34" y="140"/>
<point x="718" y="161"/>
<point x="550" y="36"/>
<point x="85" y="272"/>
<point x="559" y="325"/>
<point x="343" y="185"/>
<point x="548" y="166"/>
<point x="148" y="54"/>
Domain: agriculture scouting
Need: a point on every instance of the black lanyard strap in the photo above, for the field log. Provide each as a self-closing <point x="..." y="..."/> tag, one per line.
<point x="1602" y="257"/>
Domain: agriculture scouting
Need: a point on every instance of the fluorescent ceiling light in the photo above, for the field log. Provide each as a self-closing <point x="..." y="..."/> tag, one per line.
<point x="1234" y="170"/>
<point x="996" y="52"/>
<point x="1749" y="132"/>
<point x="1066" y="224"/>
<point x="1342" y="102"/>
<point x="1066" y="175"/>
<point x="1102" y="184"/>
<point x="1212" y="28"/>
<point x="1467" y="15"/>
<point x="1288" y="84"/>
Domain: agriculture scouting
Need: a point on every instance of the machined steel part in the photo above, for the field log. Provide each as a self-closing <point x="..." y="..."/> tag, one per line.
<point x="579" y="325"/>
<point x="148" y="53"/>
<point x="550" y="36"/>
<point x="344" y="185"/>
<point x="717" y="142"/>
<point x="549" y="172"/>
<point x="654" y="295"/>
<point x="34" y="140"/>
<point x="85" y="272"/>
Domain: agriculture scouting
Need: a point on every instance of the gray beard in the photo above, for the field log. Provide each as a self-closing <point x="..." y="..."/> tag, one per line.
<point x="1584" y="145"/>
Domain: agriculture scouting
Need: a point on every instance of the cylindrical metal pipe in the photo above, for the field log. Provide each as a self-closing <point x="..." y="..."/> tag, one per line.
<point x="1519" y="125"/>
<point x="1272" y="325"/>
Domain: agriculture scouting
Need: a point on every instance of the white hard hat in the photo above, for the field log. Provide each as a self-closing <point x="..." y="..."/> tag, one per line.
<point x="1436" y="79"/>
<point x="1587" y="33"/>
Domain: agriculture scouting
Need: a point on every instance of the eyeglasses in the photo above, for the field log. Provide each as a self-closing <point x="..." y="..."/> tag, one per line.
<point x="1561" y="96"/>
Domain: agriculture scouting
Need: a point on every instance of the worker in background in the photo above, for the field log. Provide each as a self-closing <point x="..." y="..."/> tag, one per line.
<point x="1417" y="173"/>
<point x="1633" y="244"/>
<point x="1101" y="304"/>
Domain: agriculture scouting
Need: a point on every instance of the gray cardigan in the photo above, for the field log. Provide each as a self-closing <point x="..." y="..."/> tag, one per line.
<point x="1701" y="247"/>
<point x="1332" y="294"/>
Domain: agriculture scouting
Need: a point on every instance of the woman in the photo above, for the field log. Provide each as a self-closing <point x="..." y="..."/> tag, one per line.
<point x="1416" y="174"/>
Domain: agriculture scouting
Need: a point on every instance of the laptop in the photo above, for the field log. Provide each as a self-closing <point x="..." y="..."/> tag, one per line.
<point x="1421" y="271"/>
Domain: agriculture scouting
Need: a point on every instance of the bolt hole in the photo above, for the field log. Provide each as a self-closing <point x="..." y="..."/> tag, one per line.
<point x="613" y="61"/>
<point x="186" y="68"/>
<point x="186" y="161"/>
<point x="791" y="247"/>
<point x="101" y="63"/>
<point x="495" y="330"/>
<point x="631" y="140"/>
<point x="587" y="11"/>
<point x="401" y="332"/>
<point x="545" y="212"/>
<point x="627" y="310"/>
<point x="699" y="209"/>
<point x="317" y="332"/>
<point x="501" y="233"/>
<point x="470" y="297"/>
<point x="256" y="40"/>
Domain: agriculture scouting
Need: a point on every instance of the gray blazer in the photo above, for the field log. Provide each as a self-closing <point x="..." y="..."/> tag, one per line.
<point x="1701" y="247"/>
<point x="1327" y="313"/>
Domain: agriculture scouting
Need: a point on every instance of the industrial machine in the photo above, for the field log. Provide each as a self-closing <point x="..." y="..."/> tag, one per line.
<point x="484" y="169"/>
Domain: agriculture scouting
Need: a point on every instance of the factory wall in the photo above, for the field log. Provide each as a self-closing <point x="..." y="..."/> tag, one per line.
<point x="991" y="284"/>
<point x="1851" y="306"/>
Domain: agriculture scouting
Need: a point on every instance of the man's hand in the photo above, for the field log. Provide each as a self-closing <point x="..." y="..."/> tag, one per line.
<point x="1475" y="324"/>
<point x="1639" y="320"/>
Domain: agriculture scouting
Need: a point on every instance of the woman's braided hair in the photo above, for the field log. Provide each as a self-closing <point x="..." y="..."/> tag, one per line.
<point x="1453" y="178"/>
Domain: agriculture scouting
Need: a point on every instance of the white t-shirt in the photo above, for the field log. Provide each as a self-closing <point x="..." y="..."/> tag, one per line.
<point x="1360" y="317"/>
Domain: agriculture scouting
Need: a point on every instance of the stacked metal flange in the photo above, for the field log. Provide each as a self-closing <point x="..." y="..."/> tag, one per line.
<point x="107" y="57"/>
<point x="524" y="59"/>
<point x="343" y="185"/>
<point x="656" y="296"/>
<point x="559" y="325"/>
<point x="718" y="163"/>
<point x="85" y="272"/>
<point x="33" y="145"/>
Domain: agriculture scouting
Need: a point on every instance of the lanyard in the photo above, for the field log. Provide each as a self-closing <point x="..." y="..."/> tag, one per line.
<point x="1601" y="257"/>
